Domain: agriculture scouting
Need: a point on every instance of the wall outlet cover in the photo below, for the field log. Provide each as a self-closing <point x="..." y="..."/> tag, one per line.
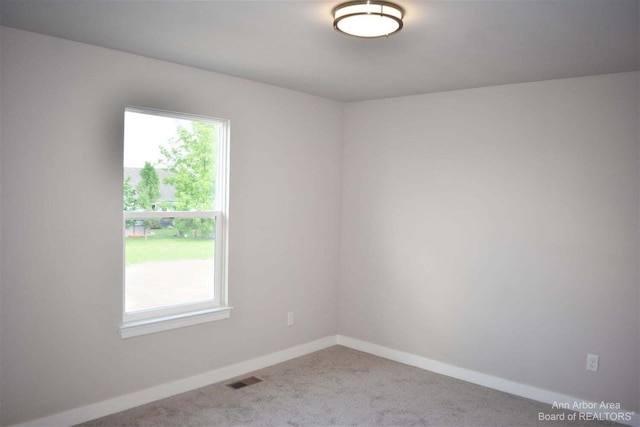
<point x="592" y="362"/>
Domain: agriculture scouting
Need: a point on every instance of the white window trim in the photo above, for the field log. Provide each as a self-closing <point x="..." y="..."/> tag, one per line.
<point x="165" y="318"/>
<point x="165" y="323"/>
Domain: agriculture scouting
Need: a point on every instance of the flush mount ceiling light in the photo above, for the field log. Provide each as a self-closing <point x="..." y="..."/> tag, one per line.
<point x="368" y="18"/>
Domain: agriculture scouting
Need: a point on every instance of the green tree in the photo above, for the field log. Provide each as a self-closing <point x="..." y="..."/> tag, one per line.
<point x="190" y="157"/>
<point x="129" y="196"/>
<point x="129" y="199"/>
<point x="148" y="188"/>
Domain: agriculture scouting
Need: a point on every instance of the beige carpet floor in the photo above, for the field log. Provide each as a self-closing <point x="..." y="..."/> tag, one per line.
<point x="340" y="386"/>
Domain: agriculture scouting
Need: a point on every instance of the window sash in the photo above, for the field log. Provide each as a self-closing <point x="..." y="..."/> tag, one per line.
<point x="170" y="214"/>
<point x="154" y="313"/>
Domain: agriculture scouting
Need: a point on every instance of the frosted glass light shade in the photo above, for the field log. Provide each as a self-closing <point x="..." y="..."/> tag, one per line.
<point x="368" y="18"/>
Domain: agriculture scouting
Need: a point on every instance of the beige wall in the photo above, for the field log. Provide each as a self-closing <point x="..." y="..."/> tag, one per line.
<point x="496" y="229"/>
<point x="62" y="127"/>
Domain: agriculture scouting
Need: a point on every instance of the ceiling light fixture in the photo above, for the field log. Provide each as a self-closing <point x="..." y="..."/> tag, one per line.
<point x="368" y="18"/>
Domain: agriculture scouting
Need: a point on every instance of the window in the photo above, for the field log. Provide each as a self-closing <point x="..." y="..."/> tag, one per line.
<point x="175" y="196"/>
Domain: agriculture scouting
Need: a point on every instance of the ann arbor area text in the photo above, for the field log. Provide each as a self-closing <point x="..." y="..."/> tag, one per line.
<point x="588" y="411"/>
<point x="577" y="406"/>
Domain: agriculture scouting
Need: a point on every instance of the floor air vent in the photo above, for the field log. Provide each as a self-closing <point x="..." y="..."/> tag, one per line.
<point x="244" y="382"/>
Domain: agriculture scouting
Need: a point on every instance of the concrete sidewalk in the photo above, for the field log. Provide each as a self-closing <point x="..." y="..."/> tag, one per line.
<point x="158" y="284"/>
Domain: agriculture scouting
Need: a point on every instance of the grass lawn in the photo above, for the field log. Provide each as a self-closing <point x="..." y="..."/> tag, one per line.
<point x="163" y="245"/>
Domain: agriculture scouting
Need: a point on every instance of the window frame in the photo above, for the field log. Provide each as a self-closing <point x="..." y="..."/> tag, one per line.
<point x="174" y="316"/>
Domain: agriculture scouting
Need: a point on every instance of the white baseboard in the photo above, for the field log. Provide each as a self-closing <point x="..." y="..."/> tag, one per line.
<point x="128" y="401"/>
<point x="485" y="380"/>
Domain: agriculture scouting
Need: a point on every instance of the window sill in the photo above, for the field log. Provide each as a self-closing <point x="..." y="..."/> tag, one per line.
<point x="158" y="324"/>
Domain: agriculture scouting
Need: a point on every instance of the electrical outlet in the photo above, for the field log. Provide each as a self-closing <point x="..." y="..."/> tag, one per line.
<point x="290" y="318"/>
<point x="592" y="362"/>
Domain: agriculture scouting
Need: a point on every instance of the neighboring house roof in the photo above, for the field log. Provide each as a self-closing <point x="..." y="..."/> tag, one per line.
<point x="167" y="192"/>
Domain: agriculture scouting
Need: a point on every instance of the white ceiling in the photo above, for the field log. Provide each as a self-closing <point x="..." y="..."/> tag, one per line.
<point x="444" y="45"/>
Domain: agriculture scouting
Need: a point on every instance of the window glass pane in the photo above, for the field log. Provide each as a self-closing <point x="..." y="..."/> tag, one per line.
<point x="169" y="166"/>
<point x="168" y="261"/>
<point x="169" y="163"/>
